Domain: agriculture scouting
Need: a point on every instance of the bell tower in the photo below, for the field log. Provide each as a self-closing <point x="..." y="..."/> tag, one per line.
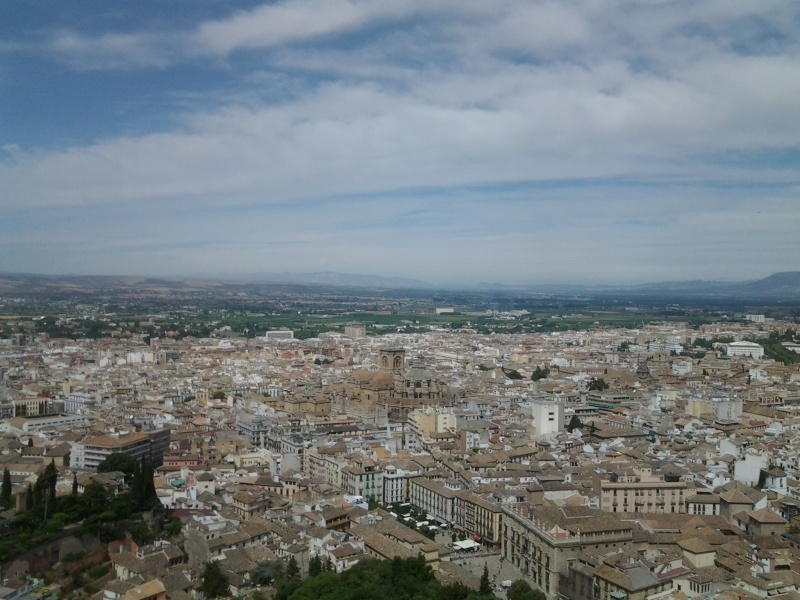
<point x="392" y="360"/>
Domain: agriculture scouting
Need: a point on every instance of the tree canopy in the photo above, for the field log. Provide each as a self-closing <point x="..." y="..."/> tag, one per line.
<point x="118" y="462"/>
<point x="540" y="373"/>
<point x="598" y="383"/>
<point x="522" y="590"/>
<point x="574" y="423"/>
<point x="398" y="579"/>
<point x="5" y="496"/>
<point x="215" y="584"/>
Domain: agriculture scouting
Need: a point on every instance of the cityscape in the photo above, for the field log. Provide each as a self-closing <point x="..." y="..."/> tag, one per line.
<point x="520" y="445"/>
<point x="400" y="300"/>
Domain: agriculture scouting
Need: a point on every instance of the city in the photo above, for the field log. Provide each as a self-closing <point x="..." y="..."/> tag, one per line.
<point x="611" y="461"/>
<point x="400" y="300"/>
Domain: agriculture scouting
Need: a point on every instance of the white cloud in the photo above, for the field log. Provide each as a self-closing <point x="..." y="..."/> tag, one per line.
<point x="450" y="96"/>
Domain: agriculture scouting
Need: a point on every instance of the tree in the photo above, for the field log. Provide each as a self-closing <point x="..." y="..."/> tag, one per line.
<point x="119" y="462"/>
<point x="74" y="484"/>
<point x="5" y="494"/>
<point x="45" y="489"/>
<point x="94" y="499"/>
<point x="762" y="479"/>
<point x="29" y="498"/>
<point x="486" y="587"/>
<point x="521" y="590"/>
<point x="292" y="569"/>
<point x="266" y="572"/>
<point x="314" y="566"/>
<point x="574" y="423"/>
<point x="540" y="373"/>
<point x="30" y="442"/>
<point x="597" y="384"/>
<point x="215" y="584"/>
<point x="143" y="489"/>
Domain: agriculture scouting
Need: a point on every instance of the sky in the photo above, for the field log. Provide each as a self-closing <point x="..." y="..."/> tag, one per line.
<point x="451" y="141"/>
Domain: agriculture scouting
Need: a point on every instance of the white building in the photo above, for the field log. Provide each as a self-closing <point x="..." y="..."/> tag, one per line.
<point x="750" y="349"/>
<point x="548" y="417"/>
<point x="282" y="334"/>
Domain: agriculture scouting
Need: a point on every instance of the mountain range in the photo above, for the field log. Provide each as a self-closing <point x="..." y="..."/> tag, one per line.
<point x="786" y="284"/>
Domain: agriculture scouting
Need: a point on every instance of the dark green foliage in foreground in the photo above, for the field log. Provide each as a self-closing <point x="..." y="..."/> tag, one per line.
<point x="521" y="590"/>
<point x="486" y="585"/>
<point x="96" y="512"/>
<point x="408" y="579"/>
<point x="5" y="494"/>
<point x="119" y="462"/>
<point x="214" y="582"/>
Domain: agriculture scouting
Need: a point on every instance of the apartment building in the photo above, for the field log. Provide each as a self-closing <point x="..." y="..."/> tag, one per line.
<point x="90" y="452"/>
<point x="433" y="498"/>
<point x="479" y="517"/>
<point x="362" y="477"/>
<point x="642" y="491"/>
<point x="396" y="476"/>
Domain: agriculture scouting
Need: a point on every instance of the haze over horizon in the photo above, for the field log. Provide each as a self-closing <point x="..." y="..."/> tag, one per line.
<point x="447" y="141"/>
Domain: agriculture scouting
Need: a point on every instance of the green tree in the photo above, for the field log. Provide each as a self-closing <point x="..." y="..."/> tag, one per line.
<point x="45" y="488"/>
<point x="314" y="566"/>
<point x="485" y="588"/>
<point x="119" y="462"/>
<point x="512" y="374"/>
<point x="574" y="423"/>
<point x="521" y="590"/>
<point x="174" y="527"/>
<point x="292" y="569"/>
<point x="94" y="499"/>
<point x="74" y="484"/>
<point x="29" y="498"/>
<point x="143" y="489"/>
<point x="215" y="584"/>
<point x="540" y="373"/>
<point x="5" y="494"/>
<point x="597" y="384"/>
<point x="266" y="572"/>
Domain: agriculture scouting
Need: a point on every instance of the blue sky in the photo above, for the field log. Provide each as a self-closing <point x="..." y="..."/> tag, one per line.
<point x="452" y="141"/>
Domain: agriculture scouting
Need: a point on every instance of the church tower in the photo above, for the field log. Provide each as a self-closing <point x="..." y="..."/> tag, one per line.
<point x="392" y="360"/>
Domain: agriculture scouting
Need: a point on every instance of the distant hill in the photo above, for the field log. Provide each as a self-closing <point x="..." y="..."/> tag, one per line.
<point x="778" y="285"/>
<point x="786" y="282"/>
